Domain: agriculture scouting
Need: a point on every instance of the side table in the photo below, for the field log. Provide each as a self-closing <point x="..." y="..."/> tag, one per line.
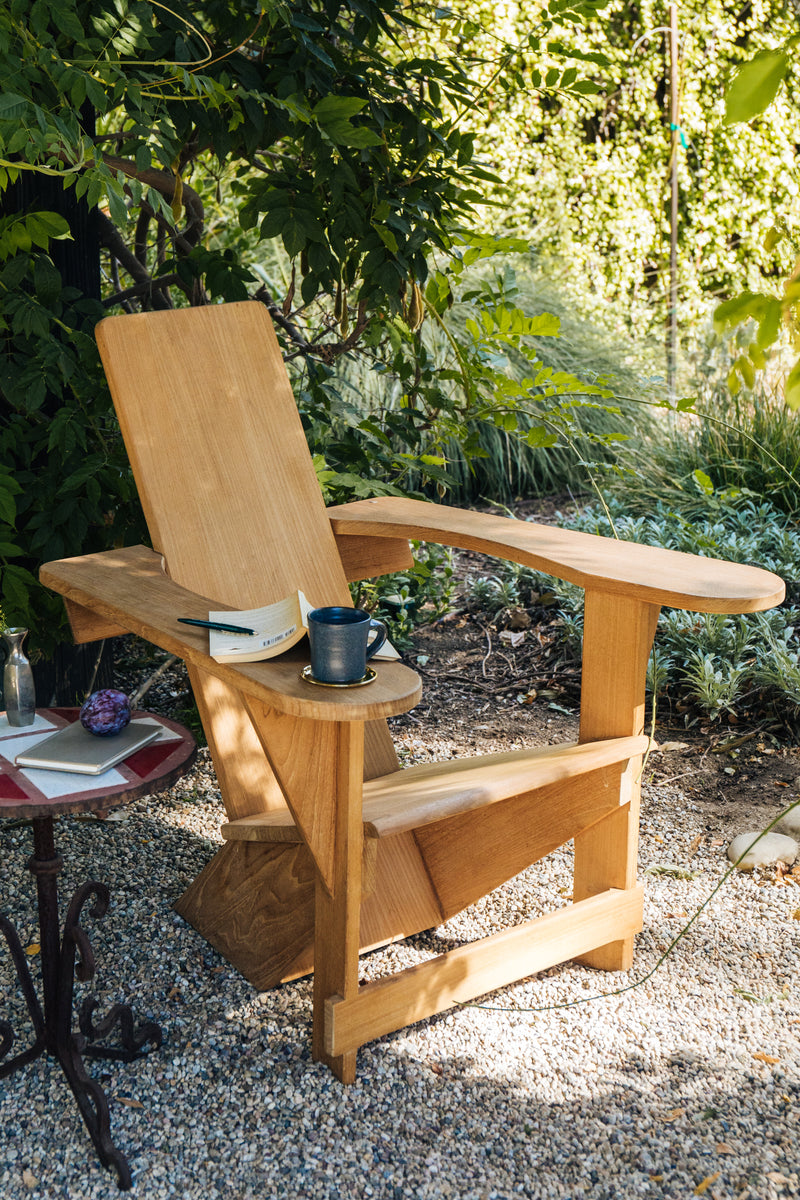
<point x="42" y="795"/>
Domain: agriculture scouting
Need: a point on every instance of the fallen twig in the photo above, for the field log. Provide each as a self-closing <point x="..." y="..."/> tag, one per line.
<point x="488" y="654"/>
<point x="151" y="679"/>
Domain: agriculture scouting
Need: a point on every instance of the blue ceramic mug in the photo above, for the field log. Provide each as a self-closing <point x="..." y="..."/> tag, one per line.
<point x="340" y="646"/>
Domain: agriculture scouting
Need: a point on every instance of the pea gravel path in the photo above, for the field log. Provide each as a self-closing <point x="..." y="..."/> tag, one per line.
<point x="687" y="1084"/>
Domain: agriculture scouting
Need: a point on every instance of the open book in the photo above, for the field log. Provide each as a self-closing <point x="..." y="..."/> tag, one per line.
<point x="277" y="627"/>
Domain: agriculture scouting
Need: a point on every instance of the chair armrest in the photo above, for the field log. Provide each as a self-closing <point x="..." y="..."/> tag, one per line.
<point x="646" y="573"/>
<point x="130" y="591"/>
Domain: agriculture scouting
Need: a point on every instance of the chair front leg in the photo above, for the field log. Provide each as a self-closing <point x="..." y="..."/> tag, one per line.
<point x="617" y="639"/>
<point x="338" y="909"/>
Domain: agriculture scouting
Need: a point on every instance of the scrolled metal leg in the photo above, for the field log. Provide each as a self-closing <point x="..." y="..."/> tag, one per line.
<point x="31" y="1001"/>
<point x="92" y="1102"/>
<point x="72" y="1048"/>
<point x="63" y="958"/>
<point x="133" y="1037"/>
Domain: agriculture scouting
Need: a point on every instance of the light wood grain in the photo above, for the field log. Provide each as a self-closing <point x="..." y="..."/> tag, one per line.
<point x="364" y="558"/>
<point x="246" y="779"/>
<point x="338" y="909"/>
<point x="223" y="471"/>
<point x="219" y="456"/>
<point x="233" y="506"/>
<point x="88" y="626"/>
<point x="380" y="756"/>
<point x="403" y="901"/>
<point x="602" y="564"/>
<point x="303" y="756"/>
<point x="468" y="856"/>
<point x="463" y="974"/>
<point x="130" y="588"/>
<point x="430" y="792"/>
<point x="255" y="905"/>
<point x="618" y="636"/>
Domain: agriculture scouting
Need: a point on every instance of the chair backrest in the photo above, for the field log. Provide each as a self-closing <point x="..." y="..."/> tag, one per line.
<point x="219" y="456"/>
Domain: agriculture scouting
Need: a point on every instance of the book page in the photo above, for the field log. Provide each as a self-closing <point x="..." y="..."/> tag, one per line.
<point x="278" y="626"/>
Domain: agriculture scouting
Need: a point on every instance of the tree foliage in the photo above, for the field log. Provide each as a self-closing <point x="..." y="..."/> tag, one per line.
<point x="771" y="310"/>
<point x="208" y="135"/>
<point x="585" y="162"/>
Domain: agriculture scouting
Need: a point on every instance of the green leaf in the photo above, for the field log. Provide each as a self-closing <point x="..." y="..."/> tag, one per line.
<point x="117" y="208"/>
<point x="12" y="107"/>
<point x="737" y="309"/>
<point x="544" y="325"/>
<point x="13" y="274"/>
<point x="772" y="237"/>
<point x="757" y="356"/>
<point x="96" y="93"/>
<point x="357" y="137"/>
<point x="755" y="85"/>
<point x="334" y="116"/>
<point x="337" y="108"/>
<point x="770" y="324"/>
<point x="54" y="225"/>
<point x="792" y="393"/>
<point x="540" y="436"/>
<point x="387" y="237"/>
<point x="294" y="237"/>
<point x="46" y="280"/>
<point x="15" y="588"/>
<point x="734" y="382"/>
<point x="8" y="509"/>
<point x="703" y="481"/>
<point x="746" y="370"/>
<point x="68" y="23"/>
<point x="19" y="236"/>
<point x="319" y="53"/>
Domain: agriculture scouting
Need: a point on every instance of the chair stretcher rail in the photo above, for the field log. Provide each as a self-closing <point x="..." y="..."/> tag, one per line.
<point x="462" y="974"/>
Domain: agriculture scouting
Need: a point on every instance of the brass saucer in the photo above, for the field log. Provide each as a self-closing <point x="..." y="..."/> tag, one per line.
<point x="309" y="678"/>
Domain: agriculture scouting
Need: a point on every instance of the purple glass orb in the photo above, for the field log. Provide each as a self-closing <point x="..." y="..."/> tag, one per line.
<point x="105" y="712"/>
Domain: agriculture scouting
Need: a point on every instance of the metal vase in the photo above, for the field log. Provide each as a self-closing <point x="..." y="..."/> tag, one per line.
<point x="20" y="697"/>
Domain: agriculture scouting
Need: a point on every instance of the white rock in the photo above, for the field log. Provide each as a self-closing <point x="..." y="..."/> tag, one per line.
<point x="770" y="848"/>
<point x="791" y="822"/>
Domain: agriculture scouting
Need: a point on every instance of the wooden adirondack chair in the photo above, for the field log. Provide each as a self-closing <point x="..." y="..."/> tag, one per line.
<point x="330" y="848"/>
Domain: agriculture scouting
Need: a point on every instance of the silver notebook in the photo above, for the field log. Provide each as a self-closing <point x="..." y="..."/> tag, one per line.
<point x="75" y="749"/>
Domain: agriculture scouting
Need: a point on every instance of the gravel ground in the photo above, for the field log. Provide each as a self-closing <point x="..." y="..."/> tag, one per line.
<point x="684" y="1080"/>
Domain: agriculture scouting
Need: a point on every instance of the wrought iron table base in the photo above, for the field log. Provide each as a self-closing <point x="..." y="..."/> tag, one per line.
<point x="52" y="1021"/>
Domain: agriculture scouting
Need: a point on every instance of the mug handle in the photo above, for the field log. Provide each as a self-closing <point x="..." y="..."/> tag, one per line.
<point x="379" y="639"/>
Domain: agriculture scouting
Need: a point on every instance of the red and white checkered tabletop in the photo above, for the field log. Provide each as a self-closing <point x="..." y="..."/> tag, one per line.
<point x="33" y="792"/>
